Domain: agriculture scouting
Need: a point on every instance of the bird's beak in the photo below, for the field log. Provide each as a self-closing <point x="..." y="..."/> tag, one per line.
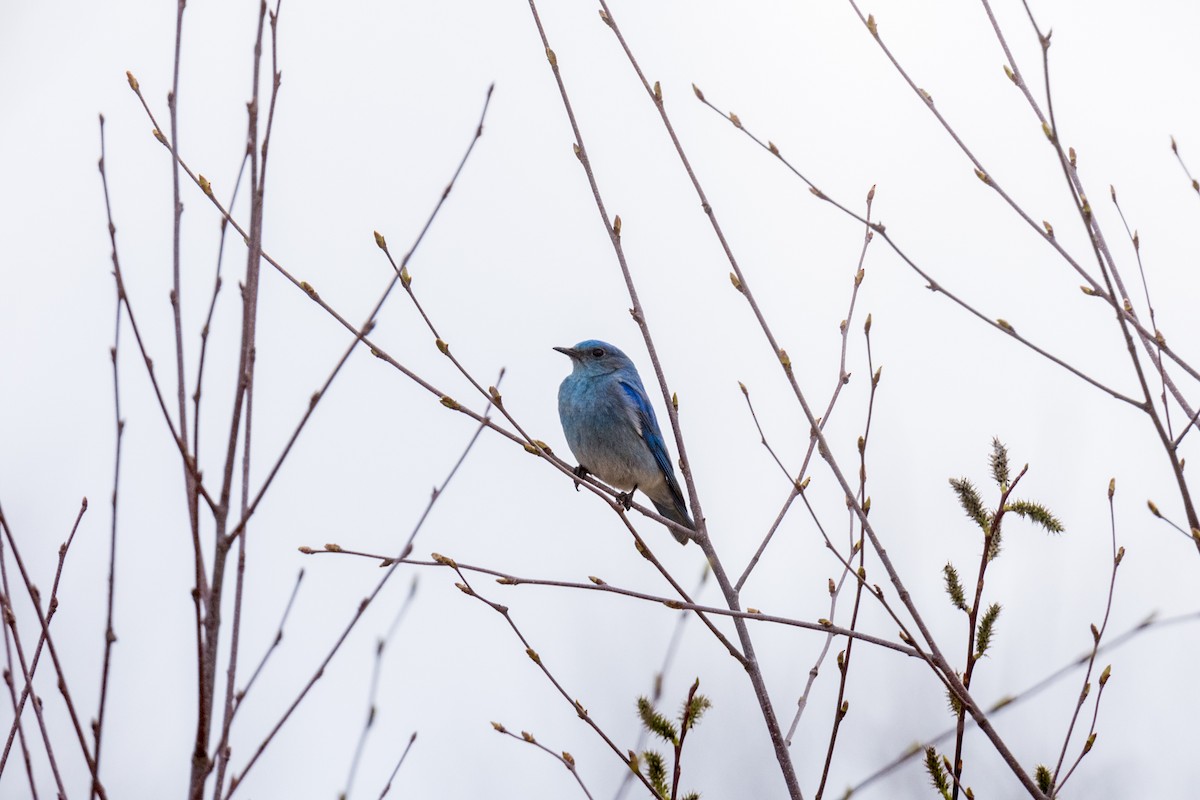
<point x="567" y="351"/>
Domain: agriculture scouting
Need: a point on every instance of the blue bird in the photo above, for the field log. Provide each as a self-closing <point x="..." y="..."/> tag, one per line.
<point x="611" y="428"/>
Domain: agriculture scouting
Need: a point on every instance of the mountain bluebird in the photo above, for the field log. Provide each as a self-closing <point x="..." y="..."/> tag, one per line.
<point x="611" y="428"/>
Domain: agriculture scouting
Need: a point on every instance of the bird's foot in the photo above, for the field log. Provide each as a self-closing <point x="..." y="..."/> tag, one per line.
<point x="626" y="498"/>
<point x="580" y="472"/>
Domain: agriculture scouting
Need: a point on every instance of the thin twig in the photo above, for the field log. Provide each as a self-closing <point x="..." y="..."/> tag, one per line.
<point x="19" y="705"/>
<point x="12" y="695"/>
<point x="464" y="585"/>
<point x="250" y="294"/>
<point x="841" y="705"/>
<point x="190" y="468"/>
<point x="201" y="578"/>
<point x="203" y="763"/>
<point x="373" y="691"/>
<point x="10" y="627"/>
<point x="685" y="724"/>
<point x="212" y="307"/>
<point x="566" y="759"/>
<point x="762" y="438"/>
<point x="43" y="620"/>
<point x="1135" y="240"/>
<point x="600" y="585"/>
<point x="836" y="588"/>
<point x="1118" y="554"/>
<point x="177" y="235"/>
<point x="190" y="460"/>
<point x="1192" y="180"/>
<point x="399" y="762"/>
<point x="180" y="443"/>
<point x="110" y="635"/>
<point x="287" y="610"/>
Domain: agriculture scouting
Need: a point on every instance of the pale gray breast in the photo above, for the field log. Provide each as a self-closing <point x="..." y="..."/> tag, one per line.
<point x="611" y="447"/>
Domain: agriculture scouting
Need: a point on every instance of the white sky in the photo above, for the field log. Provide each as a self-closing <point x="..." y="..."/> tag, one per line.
<point x="378" y="102"/>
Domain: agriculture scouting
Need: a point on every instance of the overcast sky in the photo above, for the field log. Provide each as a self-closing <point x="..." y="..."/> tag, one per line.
<point x="378" y="102"/>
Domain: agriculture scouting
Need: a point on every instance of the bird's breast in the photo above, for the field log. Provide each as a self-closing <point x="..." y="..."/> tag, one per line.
<point x="602" y="435"/>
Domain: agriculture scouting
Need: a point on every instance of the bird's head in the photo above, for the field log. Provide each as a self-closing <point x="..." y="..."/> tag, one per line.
<point x="594" y="357"/>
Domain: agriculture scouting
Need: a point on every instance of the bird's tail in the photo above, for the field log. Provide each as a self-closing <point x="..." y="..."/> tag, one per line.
<point x="676" y="511"/>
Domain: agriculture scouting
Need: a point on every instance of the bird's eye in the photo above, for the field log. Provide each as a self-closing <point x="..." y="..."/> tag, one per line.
<point x="597" y="352"/>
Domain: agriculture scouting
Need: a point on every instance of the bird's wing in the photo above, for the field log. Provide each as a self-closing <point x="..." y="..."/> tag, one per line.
<point x="647" y="425"/>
